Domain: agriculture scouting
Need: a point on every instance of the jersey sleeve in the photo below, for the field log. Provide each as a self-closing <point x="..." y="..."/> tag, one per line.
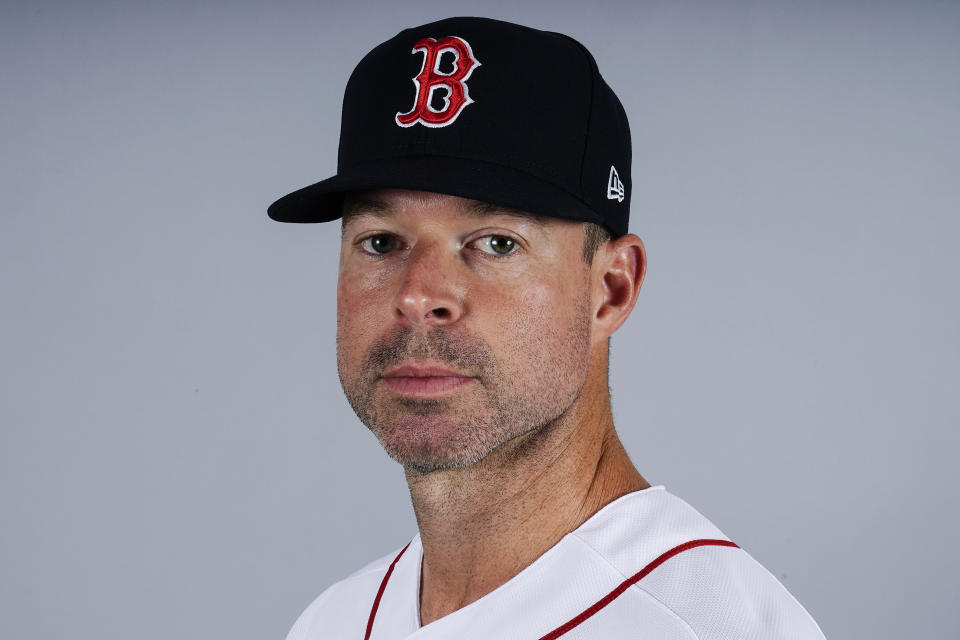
<point x="306" y="620"/>
<point x="724" y="594"/>
<point x="343" y="608"/>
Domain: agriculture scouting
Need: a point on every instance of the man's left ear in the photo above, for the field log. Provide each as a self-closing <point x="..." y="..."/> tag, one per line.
<point x="618" y="267"/>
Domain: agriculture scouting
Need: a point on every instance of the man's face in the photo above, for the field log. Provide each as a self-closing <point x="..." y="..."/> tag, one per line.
<point x="460" y="326"/>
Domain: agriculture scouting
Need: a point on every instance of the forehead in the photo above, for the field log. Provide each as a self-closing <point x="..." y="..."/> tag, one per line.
<point x="385" y="203"/>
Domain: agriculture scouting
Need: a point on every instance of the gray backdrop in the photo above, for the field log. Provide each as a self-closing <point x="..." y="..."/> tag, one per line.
<point x="177" y="459"/>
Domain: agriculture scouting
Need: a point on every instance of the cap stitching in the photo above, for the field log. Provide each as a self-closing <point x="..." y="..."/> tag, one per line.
<point x="593" y="71"/>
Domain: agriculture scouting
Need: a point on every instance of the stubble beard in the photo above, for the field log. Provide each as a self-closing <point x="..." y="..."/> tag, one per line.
<point x="427" y="435"/>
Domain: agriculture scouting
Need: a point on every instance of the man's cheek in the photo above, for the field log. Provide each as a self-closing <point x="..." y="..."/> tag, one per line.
<point x="350" y="338"/>
<point x="353" y="309"/>
<point x="532" y="308"/>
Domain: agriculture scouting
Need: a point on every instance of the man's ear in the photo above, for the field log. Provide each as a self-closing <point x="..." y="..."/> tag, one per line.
<point x="618" y="270"/>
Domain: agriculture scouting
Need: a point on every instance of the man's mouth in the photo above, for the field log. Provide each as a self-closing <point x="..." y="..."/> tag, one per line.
<point x="424" y="380"/>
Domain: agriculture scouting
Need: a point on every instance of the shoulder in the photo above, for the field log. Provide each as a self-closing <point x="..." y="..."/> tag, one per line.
<point x="344" y="606"/>
<point x="668" y="551"/>
<point x="723" y="592"/>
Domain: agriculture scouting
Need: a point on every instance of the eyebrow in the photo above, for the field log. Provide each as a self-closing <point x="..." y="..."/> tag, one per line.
<point x="360" y="205"/>
<point x="356" y="205"/>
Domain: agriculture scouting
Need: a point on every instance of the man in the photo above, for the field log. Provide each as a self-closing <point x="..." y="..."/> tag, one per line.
<point x="484" y="188"/>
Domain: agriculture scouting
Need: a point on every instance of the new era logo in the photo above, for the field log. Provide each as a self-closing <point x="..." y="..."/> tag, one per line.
<point x="615" y="190"/>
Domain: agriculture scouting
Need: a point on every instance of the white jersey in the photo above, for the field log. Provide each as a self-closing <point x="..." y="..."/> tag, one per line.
<point x="647" y="567"/>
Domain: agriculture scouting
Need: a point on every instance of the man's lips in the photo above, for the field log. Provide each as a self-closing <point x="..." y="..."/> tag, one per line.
<point x="431" y="371"/>
<point x="424" y="381"/>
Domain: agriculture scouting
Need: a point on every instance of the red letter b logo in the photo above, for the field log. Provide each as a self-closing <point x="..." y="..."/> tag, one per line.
<point x="431" y="79"/>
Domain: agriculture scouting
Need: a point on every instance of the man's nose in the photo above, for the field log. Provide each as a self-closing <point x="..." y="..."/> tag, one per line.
<point x="430" y="293"/>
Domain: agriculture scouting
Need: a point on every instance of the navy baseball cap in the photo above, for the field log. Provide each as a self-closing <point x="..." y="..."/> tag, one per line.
<point x="481" y="109"/>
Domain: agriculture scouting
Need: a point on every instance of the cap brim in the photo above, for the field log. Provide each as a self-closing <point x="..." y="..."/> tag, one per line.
<point x="467" y="178"/>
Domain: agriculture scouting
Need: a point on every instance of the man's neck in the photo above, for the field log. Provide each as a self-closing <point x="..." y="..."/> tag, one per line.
<point x="482" y="525"/>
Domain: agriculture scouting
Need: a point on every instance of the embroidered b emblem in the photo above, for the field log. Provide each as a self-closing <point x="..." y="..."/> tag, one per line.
<point x="431" y="79"/>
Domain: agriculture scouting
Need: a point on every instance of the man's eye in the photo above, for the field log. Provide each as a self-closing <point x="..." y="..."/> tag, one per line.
<point x="497" y="245"/>
<point x="380" y="243"/>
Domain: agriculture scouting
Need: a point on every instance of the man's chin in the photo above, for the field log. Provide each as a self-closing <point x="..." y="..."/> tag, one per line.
<point x="426" y="467"/>
<point x="428" y="457"/>
<point x="426" y="446"/>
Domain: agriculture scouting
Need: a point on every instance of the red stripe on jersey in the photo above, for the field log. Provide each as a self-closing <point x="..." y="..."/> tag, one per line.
<point x="383" y="585"/>
<point x="590" y="611"/>
<point x="629" y="582"/>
